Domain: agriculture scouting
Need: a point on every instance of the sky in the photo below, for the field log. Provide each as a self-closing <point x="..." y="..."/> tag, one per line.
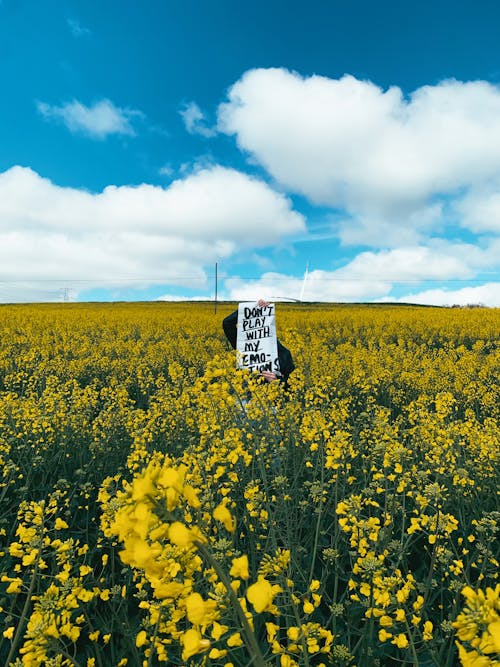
<point x="323" y="151"/>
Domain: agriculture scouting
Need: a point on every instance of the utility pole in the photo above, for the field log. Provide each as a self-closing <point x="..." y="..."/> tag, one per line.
<point x="215" y="303"/>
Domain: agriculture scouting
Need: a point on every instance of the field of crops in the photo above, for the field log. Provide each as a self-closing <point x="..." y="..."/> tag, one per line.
<point x="157" y="506"/>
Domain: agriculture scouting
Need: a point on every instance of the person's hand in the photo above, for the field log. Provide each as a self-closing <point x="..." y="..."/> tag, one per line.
<point x="263" y="303"/>
<point x="268" y="376"/>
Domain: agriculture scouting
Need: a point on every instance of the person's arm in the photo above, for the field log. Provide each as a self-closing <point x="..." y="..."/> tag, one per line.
<point x="229" y="325"/>
<point x="286" y="362"/>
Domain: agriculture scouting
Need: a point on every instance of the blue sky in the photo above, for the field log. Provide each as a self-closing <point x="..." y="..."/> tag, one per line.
<point x="330" y="151"/>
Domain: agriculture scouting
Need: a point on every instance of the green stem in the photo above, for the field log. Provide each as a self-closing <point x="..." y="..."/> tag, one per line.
<point x="299" y="624"/>
<point x="70" y="658"/>
<point x="412" y="645"/>
<point x="248" y="634"/>
<point x="24" y="613"/>
<point x="318" y="523"/>
<point x="155" y="635"/>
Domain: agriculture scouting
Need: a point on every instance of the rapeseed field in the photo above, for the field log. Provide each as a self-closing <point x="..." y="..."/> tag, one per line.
<point x="158" y="506"/>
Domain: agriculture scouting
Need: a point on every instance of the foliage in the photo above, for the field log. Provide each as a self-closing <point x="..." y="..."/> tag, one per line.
<point x="159" y="506"/>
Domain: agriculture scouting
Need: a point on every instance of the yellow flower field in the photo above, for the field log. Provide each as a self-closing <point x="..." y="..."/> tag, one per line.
<point x="158" y="506"/>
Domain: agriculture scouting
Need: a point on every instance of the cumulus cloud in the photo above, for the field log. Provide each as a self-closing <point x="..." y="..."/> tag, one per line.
<point x="389" y="161"/>
<point x="318" y="286"/>
<point x="176" y="297"/>
<point x="479" y="295"/>
<point x="195" y="122"/>
<point x="479" y="210"/>
<point x="443" y="262"/>
<point x="135" y="235"/>
<point x="97" y="121"/>
<point x="372" y="276"/>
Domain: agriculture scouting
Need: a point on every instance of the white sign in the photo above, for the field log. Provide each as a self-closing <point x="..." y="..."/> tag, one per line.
<point x="256" y="345"/>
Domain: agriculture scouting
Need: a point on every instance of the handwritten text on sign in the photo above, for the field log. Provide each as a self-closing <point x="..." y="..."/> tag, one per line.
<point x="256" y="338"/>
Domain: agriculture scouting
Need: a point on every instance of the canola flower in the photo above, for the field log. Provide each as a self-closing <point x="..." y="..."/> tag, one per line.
<point x="157" y="505"/>
<point x="478" y="627"/>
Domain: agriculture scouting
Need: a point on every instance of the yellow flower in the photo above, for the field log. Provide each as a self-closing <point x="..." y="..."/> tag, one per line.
<point x="308" y="607"/>
<point x="143" y="487"/>
<point x="84" y="595"/>
<point x="272" y="629"/>
<point x="472" y="658"/>
<point x="427" y="631"/>
<point x="401" y="641"/>
<point x="218" y="630"/>
<point x="193" y="643"/>
<point x="217" y="653"/>
<point x="105" y="594"/>
<point x="400" y="615"/>
<point x="239" y="567"/>
<point x="418" y="603"/>
<point x="9" y="633"/>
<point x="383" y="635"/>
<point x="171" y="478"/>
<point x="494" y="630"/>
<point x="14" y="586"/>
<point x="234" y="640"/>
<point x="222" y="514"/>
<point x="30" y="558"/>
<point x="180" y="535"/>
<point x="141" y="638"/>
<point x="191" y="496"/>
<point x="199" y="611"/>
<point x="60" y="524"/>
<point x="261" y="594"/>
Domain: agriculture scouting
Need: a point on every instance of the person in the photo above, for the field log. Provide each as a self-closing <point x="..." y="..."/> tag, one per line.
<point x="286" y="364"/>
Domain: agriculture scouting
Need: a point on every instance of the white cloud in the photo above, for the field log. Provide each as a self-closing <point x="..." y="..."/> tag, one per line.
<point x="175" y="297"/>
<point x="194" y="121"/>
<point x="371" y="276"/>
<point x="319" y="286"/>
<point x="479" y="210"/>
<point x="411" y="263"/>
<point x="484" y="295"/>
<point x="98" y="121"/>
<point x="135" y="235"/>
<point x="383" y="158"/>
<point x="376" y="228"/>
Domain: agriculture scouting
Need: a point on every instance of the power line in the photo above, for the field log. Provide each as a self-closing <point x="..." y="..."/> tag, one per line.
<point x="64" y="288"/>
<point x="171" y="280"/>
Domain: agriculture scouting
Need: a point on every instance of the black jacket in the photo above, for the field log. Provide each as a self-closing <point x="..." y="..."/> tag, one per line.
<point x="284" y="355"/>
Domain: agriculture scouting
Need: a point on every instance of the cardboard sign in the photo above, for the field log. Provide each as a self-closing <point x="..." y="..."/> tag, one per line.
<point x="257" y="349"/>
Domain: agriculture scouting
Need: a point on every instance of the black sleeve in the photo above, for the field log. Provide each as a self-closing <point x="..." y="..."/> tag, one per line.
<point x="286" y="361"/>
<point x="229" y="326"/>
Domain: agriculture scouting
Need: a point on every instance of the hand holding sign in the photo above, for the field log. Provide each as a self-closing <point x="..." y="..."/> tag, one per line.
<point x="256" y="339"/>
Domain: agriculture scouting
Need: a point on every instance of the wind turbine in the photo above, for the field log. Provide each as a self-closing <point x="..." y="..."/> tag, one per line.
<point x="301" y="297"/>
